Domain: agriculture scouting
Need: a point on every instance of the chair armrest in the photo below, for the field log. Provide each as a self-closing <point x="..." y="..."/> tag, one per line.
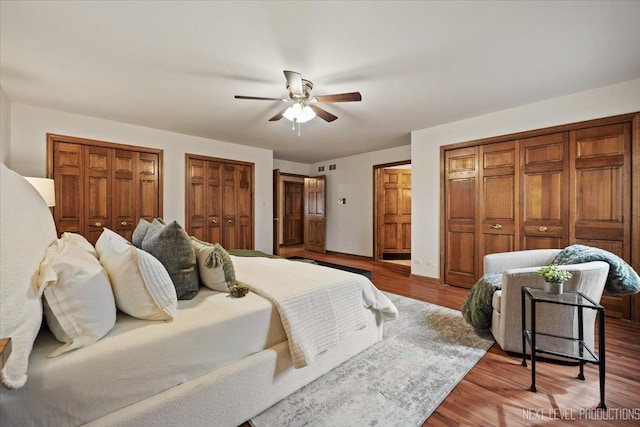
<point x="496" y="263"/>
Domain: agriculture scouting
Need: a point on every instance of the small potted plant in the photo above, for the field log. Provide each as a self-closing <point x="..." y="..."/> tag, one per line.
<point x="554" y="278"/>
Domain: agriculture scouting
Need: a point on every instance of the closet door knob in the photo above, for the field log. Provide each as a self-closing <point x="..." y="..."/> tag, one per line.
<point x="543" y="228"/>
<point x="124" y="223"/>
<point x="496" y="226"/>
<point x="230" y="221"/>
<point x="213" y="221"/>
<point x="96" y="224"/>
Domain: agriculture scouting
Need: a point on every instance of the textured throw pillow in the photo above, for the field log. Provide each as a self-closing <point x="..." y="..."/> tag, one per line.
<point x="78" y="301"/>
<point x="214" y="265"/>
<point x="139" y="232"/>
<point x="141" y="285"/>
<point x="171" y="245"/>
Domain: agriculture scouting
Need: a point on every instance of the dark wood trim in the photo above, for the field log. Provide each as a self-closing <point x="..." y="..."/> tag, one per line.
<point x="218" y="159"/>
<point x="276" y="210"/>
<point x="96" y="143"/>
<point x="293" y="175"/>
<point x="635" y="209"/>
<point x="443" y="220"/>
<point x="543" y="131"/>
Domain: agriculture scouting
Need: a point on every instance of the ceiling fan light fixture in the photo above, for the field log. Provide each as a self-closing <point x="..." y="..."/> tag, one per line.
<point x="298" y="113"/>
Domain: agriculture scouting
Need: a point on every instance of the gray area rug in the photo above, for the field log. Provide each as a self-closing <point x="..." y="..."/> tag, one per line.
<point x="399" y="381"/>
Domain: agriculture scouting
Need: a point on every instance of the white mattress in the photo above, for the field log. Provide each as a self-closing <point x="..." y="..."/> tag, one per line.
<point x="210" y="331"/>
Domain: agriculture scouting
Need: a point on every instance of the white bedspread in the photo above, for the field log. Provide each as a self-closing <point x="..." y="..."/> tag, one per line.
<point x="318" y="305"/>
<point x="139" y="358"/>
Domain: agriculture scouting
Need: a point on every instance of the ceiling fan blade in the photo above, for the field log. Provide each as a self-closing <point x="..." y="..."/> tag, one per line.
<point x="294" y="83"/>
<point x="277" y="116"/>
<point x="259" y="98"/>
<point x="323" y="114"/>
<point x="340" y="97"/>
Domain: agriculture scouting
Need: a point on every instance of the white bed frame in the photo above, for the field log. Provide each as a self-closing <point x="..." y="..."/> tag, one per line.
<point x="227" y="396"/>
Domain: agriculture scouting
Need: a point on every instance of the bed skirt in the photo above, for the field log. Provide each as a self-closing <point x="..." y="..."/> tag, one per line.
<point x="241" y="390"/>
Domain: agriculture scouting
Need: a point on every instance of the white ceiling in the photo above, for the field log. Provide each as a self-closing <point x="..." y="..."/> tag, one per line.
<point x="177" y="65"/>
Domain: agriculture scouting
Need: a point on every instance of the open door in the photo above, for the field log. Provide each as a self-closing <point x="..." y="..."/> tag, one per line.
<point x="314" y="214"/>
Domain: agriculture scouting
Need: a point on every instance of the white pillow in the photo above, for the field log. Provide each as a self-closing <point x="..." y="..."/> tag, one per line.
<point x="78" y="301"/>
<point x="26" y="230"/>
<point x="141" y="284"/>
<point x="212" y="277"/>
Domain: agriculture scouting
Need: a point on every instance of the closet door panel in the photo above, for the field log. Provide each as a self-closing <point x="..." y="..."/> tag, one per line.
<point x="230" y="206"/>
<point x="213" y="206"/>
<point x="196" y="198"/>
<point x="544" y="191"/>
<point x="499" y="199"/>
<point x="461" y="195"/>
<point x="149" y="192"/>
<point x="245" y="207"/>
<point x="601" y="195"/>
<point x="124" y="193"/>
<point x="68" y="178"/>
<point x="97" y="191"/>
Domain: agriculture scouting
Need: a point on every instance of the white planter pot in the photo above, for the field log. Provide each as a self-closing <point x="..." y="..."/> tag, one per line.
<point x="553" y="288"/>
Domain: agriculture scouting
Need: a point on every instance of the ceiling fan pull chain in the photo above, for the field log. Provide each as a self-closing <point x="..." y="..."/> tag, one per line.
<point x="298" y="128"/>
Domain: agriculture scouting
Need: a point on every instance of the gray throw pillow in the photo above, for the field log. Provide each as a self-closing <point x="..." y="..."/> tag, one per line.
<point x="139" y="233"/>
<point x="171" y="245"/>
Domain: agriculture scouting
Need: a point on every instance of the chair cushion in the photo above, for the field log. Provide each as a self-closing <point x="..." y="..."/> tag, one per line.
<point x="496" y="300"/>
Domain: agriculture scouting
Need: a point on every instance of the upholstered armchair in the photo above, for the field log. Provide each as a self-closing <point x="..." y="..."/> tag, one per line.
<point x="520" y="268"/>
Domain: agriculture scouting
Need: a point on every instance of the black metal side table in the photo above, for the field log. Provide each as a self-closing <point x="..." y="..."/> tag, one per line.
<point x="578" y="350"/>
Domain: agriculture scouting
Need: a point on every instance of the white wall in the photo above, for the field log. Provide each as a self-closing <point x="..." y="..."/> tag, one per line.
<point x="425" y="151"/>
<point x="286" y="166"/>
<point x="29" y="126"/>
<point x="5" y="128"/>
<point x="349" y="227"/>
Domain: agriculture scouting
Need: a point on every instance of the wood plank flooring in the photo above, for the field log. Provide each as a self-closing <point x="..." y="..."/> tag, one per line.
<point x="495" y="392"/>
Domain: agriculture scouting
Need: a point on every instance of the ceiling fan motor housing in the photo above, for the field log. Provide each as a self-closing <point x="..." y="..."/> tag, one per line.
<point x="307" y="86"/>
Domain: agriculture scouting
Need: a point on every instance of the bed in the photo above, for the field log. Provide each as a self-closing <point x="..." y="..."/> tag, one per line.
<point x="221" y="361"/>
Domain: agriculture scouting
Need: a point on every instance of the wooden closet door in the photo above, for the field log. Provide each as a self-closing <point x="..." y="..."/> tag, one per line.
<point x="230" y="206"/>
<point x="149" y="195"/>
<point x="499" y="199"/>
<point x="244" y="208"/>
<point x="461" y="207"/>
<point x="196" y="199"/>
<point x="213" y="190"/>
<point x="394" y="234"/>
<point x="601" y="195"/>
<point x="124" y="193"/>
<point x="68" y="178"/>
<point x="544" y="190"/>
<point x="97" y="191"/>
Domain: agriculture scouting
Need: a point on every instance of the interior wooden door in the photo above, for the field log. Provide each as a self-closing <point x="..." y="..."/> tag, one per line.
<point x="461" y="214"/>
<point x="394" y="228"/>
<point x="124" y="192"/>
<point x="212" y="216"/>
<point x="293" y="216"/>
<point x="544" y="183"/>
<point x="97" y="191"/>
<point x="499" y="200"/>
<point x="314" y="214"/>
<point x="601" y="196"/>
<point x="229" y="206"/>
<point x="197" y="199"/>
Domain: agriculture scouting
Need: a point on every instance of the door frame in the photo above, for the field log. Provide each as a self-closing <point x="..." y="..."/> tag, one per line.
<point x="376" y="195"/>
<point x="278" y="178"/>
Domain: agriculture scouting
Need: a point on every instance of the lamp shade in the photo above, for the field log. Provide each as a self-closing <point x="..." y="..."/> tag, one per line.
<point x="45" y="187"/>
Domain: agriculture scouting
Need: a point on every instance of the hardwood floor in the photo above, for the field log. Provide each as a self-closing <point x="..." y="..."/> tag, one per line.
<point x="495" y="392"/>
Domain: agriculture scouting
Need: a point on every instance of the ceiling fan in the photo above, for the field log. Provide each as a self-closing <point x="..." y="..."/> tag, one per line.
<point x="303" y="106"/>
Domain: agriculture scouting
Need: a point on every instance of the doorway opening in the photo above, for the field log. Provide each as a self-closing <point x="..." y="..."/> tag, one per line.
<point x="392" y="213"/>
